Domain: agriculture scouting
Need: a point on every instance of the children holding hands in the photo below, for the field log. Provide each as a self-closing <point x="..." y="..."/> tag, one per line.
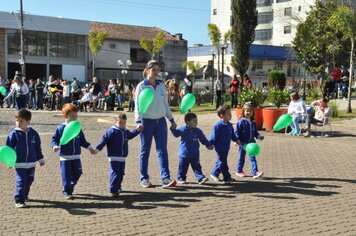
<point x="221" y="136"/>
<point x="71" y="167"/>
<point x="189" y="148"/>
<point x="246" y="132"/>
<point x="116" y="141"/>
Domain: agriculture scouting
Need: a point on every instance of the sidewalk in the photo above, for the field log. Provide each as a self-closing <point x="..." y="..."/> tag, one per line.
<point x="309" y="188"/>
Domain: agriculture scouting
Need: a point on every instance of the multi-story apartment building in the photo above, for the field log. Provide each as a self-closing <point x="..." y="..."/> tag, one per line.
<point x="277" y="19"/>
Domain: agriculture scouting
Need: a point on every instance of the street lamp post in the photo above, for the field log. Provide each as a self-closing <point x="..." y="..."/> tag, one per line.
<point x="223" y="48"/>
<point x="304" y="81"/>
<point x="22" y="60"/>
<point x="212" y="77"/>
<point x="124" y="66"/>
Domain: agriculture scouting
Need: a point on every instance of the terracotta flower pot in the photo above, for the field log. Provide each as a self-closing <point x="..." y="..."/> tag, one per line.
<point x="258" y="116"/>
<point x="270" y="117"/>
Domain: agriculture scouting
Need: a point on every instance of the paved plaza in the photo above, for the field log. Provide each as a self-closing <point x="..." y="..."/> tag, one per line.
<point x="309" y="188"/>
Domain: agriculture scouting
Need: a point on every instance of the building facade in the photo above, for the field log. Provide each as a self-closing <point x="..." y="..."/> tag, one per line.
<point x="59" y="47"/>
<point x="277" y="19"/>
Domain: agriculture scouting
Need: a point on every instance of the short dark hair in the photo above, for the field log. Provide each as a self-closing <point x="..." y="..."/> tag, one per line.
<point x="222" y="110"/>
<point x="189" y="116"/>
<point x="121" y="116"/>
<point x="24" y="114"/>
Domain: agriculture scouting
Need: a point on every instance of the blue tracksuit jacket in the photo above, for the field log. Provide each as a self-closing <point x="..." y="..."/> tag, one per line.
<point x="222" y="135"/>
<point x="246" y="131"/>
<point x="116" y="140"/>
<point x="27" y="146"/>
<point x="72" y="149"/>
<point x="189" y="143"/>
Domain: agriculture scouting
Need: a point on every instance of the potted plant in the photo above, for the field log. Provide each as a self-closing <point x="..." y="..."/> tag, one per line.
<point x="255" y="96"/>
<point x="276" y="97"/>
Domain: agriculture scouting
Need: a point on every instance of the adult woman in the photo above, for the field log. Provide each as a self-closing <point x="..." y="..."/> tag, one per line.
<point x="320" y="111"/>
<point x="20" y="89"/>
<point x="154" y="124"/>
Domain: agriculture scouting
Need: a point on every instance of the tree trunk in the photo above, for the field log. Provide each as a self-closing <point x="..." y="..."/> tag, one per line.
<point x="349" y="110"/>
<point x="93" y="68"/>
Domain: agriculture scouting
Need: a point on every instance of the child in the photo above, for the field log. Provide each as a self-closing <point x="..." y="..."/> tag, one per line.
<point x="71" y="166"/>
<point x="27" y="144"/>
<point x="296" y="109"/>
<point x="189" y="148"/>
<point x="221" y="136"/>
<point x="246" y="132"/>
<point x="116" y="139"/>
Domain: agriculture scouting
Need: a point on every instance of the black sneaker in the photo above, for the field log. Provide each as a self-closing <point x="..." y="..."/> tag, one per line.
<point x="203" y="180"/>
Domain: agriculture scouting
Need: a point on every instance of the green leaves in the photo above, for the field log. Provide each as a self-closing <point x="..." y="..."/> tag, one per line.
<point x="278" y="97"/>
<point x="96" y="41"/>
<point x="153" y="47"/>
<point x="253" y="95"/>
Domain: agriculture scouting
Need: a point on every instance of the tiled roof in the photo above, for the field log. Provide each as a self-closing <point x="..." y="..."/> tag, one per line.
<point x="129" y="32"/>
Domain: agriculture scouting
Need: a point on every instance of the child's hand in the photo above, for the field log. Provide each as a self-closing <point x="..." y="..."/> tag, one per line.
<point x="262" y="137"/>
<point x="92" y="150"/>
<point x="211" y="147"/>
<point x="42" y="163"/>
<point x="56" y="148"/>
<point x="140" y="128"/>
<point x="173" y="125"/>
<point x="238" y="143"/>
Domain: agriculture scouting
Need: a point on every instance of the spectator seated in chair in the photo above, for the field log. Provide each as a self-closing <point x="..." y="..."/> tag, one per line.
<point x="86" y="100"/>
<point x="101" y="101"/>
<point x="320" y="112"/>
<point x="297" y="110"/>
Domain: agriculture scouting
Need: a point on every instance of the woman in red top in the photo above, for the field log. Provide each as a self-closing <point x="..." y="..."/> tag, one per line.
<point x="234" y="87"/>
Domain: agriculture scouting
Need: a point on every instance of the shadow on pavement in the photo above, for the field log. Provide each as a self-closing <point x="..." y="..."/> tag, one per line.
<point x="184" y="195"/>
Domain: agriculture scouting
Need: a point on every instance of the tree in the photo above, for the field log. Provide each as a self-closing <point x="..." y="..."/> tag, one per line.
<point x="343" y="20"/>
<point x="96" y="41"/>
<point x="153" y="47"/>
<point x="244" y="16"/>
<point x="316" y="43"/>
<point x="192" y="66"/>
<point x="215" y="39"/>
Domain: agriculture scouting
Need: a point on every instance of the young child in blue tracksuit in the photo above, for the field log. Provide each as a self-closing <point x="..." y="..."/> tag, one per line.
<point x="189" y="148"/>
<point x="221" y="136"/>
<point x="246" y="132"/>
<point x="27" y="144"/>
<point x="71" y="166"/>
<point x="116" y="140"/>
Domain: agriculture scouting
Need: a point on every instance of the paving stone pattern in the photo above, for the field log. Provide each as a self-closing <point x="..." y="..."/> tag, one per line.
<point x="309" y="188"/>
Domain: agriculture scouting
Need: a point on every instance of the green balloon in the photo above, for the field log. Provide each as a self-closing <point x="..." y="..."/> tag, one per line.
<point x="253" y="149"/>
<point x="187" y="103"/>
<point x="8" y="156"/>
<point x="71" y="130"/>
<point x="145" y="99"/>
<point x="283" y="121"/>
<point x="2" y="90"/>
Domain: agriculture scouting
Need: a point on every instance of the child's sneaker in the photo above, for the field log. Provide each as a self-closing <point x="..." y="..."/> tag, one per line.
<point x="215" y="178"/>
<point x="241" y="174"/>
<point x="68" y="196"/>
<point x="120" y="190"/>
<point x="20" y="205"/>
<point x="258" y="175"/>
<point x="146" y="183"/>
<point x="228" y="181"/>
<point x="115" y="194"/>
<point x="203" y="180"/>
<point x="181" y="181"/>
<point x="167" y="183"/>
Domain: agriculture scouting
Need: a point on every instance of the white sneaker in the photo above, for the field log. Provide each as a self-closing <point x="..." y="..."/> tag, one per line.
<point x="146" y="183"/>
<point x="241" y="174"/>
<point x="20" y="205"/>
<point x="258" y="175"/>
<point x="180" y="181"/>
<point x="215" y="178"/>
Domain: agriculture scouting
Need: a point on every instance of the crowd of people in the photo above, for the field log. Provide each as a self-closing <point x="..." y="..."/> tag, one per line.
<point x="55" y="92"/>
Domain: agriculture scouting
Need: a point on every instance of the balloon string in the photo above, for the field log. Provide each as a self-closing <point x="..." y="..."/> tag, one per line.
<point x="268" y="133"/>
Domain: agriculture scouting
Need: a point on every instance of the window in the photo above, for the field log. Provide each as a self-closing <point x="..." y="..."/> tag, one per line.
<point x="279" y="1"/>
<point x="288" y="11"/>
<point x="36" y="42"/>
<point x="299" y="8"/>
<point x="287" y="29"/>
<point x="287" y="45"/>
<point x="215" y="11"/>
<point x="66" y="45"/>
<point x="264" y="34"/>
<point x="139" y="55"/>
<point x="264" y="17"/>
<point x="263" y="3"/>
<point x="112" y="45"/>
<point x="278" y="65"/>
<point x="257" y="65"/>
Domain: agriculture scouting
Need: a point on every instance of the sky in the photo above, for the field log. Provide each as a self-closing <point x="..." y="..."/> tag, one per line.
<point x="189" y="17"/>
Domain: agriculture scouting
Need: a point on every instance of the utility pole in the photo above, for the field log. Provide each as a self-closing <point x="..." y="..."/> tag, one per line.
<point x="223" y="48"/>
<point x="212" y="78"/>
<point x="22" y="60"/>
